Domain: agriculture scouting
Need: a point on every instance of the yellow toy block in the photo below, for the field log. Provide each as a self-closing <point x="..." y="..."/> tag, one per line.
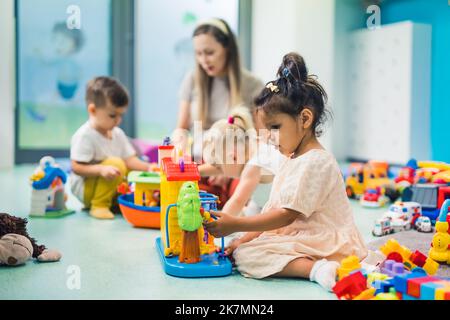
<point x="371" y="277"/>
<point x="348" y="265"/>
<point x="366" y="294"/>
<point x="441" y="293"/>
<point x="393" y="246"/>
<point x="430" y="266"/>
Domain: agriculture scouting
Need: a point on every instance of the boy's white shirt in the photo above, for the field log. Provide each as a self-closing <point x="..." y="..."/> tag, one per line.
<point x="90" y="146"/>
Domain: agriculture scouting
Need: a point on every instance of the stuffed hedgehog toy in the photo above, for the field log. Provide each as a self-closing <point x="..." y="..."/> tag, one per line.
<point x="16" y="246"/>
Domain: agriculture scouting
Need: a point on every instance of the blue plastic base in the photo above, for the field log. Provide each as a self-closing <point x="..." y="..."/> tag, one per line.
<point x="211" y="265"/>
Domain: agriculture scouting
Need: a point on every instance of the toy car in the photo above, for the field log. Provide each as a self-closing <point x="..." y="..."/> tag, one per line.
<point x="407" y="210"/>
<point x="423" y="224"/>
<point x="382" y="227"/>
<point x="373" y="198"/>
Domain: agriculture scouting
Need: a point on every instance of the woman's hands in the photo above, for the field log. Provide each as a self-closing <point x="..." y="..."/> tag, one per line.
<point x="223" y="226"/>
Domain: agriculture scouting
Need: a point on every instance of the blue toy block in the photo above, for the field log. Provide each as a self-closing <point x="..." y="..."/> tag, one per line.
<point x="428" y="290"/>
<point x="382" y="286"/>
<point x="400" y="281"/>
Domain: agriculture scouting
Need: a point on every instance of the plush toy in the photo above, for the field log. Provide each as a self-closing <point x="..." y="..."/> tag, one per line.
<point x="16" y="246"/>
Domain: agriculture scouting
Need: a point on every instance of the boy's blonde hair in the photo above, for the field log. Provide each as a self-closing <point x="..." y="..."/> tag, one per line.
<point x="234" y="129"/>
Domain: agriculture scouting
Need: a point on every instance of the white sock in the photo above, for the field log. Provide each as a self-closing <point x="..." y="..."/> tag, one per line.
<point x="324" y="273"/>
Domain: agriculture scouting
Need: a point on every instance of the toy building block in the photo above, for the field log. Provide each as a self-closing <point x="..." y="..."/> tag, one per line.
<point x="443" y="293"/>
<point x="393" y="246"/>
<point x="428" y="290"/>
<point x="391" y="295"/>
<point x="383" y="286"/>
<point x="393" y="249"/>
<point x="392" y="268"/>
<point x="350" y="286"/>
<point x="418" y="258"/>
<point x="348" y="265"/>
<point x="413" y="285"/>
<point x="406" y="296"/>
<point x="371" y="277"/>
<point x="431" y="266"/>
<point x="401" y="281"/>
<point x="366" y="294"/>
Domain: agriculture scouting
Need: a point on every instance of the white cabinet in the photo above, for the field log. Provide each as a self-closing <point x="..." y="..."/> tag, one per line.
<point x="389" y="93"/>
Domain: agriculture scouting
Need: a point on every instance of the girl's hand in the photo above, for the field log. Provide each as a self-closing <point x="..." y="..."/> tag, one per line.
<point x="219" y="181"/>
<point x="223" y="226"/>
<point x="232" y="246"/>
<point x="109" y="172"/>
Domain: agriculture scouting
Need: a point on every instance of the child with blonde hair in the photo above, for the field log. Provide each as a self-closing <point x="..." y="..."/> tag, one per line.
<point x="231" y="149"/>
<point x="307" y="225"/>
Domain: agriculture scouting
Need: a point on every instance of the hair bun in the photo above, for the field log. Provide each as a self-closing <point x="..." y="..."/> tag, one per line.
<point x="293" y="68"/>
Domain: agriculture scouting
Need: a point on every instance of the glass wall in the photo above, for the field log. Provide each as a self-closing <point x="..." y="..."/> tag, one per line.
<point x="61" y="45"/>
<point x="164" y="54"/>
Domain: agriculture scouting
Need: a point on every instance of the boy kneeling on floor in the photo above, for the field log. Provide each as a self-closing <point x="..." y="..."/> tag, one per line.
<point x="100" y="152"/>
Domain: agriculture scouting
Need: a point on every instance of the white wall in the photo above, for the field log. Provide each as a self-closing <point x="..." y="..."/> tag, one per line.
<point x="306" y="27"/>
<point x="7" y="83"/>
<point x="316" y="29"/>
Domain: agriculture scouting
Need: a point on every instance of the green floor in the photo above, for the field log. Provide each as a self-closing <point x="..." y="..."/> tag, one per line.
<point x="117" y="261"/>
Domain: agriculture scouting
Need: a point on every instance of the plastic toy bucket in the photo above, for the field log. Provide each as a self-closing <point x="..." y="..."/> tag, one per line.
<point x="139" y="216"/>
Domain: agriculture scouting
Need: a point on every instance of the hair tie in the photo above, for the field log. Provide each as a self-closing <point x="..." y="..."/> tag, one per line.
<point x="272" y="87"/>
<point x="286" y="72"/>
<point x="231" y="120"/>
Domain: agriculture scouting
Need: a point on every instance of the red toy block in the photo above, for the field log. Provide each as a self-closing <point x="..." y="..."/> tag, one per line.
<point x="397" y="257"/>
<point x="350" y="286"/>
<point x="418" y="258"/>
<point x="413" y="285"/>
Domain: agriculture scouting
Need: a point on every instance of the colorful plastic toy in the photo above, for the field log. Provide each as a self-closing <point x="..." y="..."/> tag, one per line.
<point x="430" y="196"/>
<point x="48" y="199"/>
<point x="382" y="227"/>
<point x="141" y="208"/>
<point x="366" y="176"/>
<point x="392" y="247"/>
<point x="440" y="245"/>
<point x="350" y="286"/>
<point x="373" y="198"/>
<point x="179" y="219"/>
<point x="394" y="281"/>
<point x="423" y="224"/>
<point x="348" y="265"/>
<point x="400" y="216"/>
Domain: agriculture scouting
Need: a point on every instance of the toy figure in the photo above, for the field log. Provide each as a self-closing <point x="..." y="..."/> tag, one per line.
<point x="16" y="246"/>
<point x="189" y="220"/>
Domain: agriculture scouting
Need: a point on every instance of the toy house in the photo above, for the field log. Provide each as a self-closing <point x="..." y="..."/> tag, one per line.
<point x="176" y="174"/>
<point x="47" y="196"/>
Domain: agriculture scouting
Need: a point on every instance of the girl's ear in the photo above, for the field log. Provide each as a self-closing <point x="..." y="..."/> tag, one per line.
<point x="306" y="118"/>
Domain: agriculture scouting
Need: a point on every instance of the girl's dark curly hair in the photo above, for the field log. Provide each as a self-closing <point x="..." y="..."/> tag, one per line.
<point x="295" y="90"/>
<point x="11" y="224"/>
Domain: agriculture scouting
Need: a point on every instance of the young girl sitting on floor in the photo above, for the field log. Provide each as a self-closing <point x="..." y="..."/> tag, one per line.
<point x="307" y="225"/>
<point x="248" y="161"/>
